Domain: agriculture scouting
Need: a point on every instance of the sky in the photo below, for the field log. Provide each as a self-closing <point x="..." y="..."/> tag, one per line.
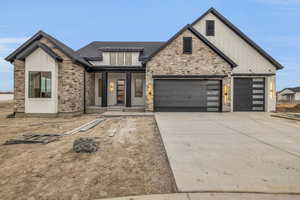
<point x="272" y="24"/>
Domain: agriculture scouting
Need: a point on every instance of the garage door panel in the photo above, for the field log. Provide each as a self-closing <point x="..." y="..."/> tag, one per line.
<point x="249" y="94"/>
<point x="186" y="95"/>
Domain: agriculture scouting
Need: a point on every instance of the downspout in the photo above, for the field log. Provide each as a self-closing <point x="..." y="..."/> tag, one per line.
<point x="84" y="110"/>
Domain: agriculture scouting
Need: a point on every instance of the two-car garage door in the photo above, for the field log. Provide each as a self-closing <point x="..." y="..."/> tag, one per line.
<point x="205" y="95"/>
<point x="187" y="95"/>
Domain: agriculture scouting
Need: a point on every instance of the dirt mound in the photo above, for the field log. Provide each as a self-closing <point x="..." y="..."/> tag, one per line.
<point x="288" y="108"/>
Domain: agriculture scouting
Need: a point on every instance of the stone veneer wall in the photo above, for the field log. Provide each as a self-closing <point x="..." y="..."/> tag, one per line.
<point x="70" y="84"/>
<point x="171" y="61"/>
<point x="90" y="88"/>
<point x="19" y="86"/>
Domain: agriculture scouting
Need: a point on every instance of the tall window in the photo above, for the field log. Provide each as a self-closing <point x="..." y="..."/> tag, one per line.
<point x="210" y="27"/>
<point x="138" y="90"/>
<point x="187" y="45"/>
<point x="39" y="85"/>
<point x="100" y="88"/>
<point x="120" y="58"/>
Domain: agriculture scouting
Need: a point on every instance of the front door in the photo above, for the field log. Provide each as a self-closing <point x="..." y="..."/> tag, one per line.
<point x="120" y="91"/>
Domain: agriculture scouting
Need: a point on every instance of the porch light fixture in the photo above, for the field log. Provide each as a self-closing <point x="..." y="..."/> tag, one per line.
<point x="272" y="89"/>
<point x="226" y="89"/>
<point x="111" y="86"/>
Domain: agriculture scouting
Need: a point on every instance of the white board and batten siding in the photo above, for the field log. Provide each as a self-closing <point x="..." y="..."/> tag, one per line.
<point x="106" y="60"/>
<point x="40" y="61"/>
<point x="249" y="61"/>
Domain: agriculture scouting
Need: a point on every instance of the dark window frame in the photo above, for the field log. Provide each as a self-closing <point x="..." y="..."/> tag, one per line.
<point x="39" y="94"/>
<point x="187" y="45"/>
<point x="210" y="28"/>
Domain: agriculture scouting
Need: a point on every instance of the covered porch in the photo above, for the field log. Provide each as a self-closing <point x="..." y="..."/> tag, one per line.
<point x="115" y="91"/>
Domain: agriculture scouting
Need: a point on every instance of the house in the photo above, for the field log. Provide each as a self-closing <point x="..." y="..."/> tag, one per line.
<point x="208" y="65"/>
<point x="290" y="95"/>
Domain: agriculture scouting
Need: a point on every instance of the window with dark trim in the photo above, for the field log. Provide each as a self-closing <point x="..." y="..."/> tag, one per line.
<point x="210" y="28"/>
<point x="39" y="85"/>
<point x="100" y="88"/>
<point x="187" y="45"/>
<point x="138" y="87"/>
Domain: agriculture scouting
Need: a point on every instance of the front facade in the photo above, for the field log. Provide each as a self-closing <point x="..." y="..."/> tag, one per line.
<point x="208" y="66"/>
<point x="289" y="95"/>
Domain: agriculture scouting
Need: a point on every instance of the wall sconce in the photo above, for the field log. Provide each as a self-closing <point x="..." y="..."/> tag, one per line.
<point x="111" y="86"/>
<point x="225" y="93"/>
<point x="149" y="92"/>
<point x="272" y="89"/>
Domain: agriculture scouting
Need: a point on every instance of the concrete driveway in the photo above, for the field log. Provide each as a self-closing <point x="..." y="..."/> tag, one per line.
<point x="244" y="152"/>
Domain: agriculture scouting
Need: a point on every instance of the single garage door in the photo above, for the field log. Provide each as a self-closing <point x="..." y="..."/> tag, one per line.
<point x="187" y="95"/>
<point x="249" y="94"/>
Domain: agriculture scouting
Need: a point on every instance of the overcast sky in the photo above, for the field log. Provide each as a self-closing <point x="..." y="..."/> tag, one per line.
<point x="272" y="24"/>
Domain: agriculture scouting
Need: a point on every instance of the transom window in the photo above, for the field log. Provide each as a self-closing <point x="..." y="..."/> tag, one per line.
<point x="39" y="85"/>
<point x="120" y="58"/>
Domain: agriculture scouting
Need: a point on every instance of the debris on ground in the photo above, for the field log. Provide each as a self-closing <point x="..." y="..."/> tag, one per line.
<point x="295" y="108"/>
<point x="34" y="138"/>
<point x="85" y="127"/>
<point x="85" y="145"/>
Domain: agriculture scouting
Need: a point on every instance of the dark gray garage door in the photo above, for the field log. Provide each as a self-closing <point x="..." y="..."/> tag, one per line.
<point x="187" y="95"/>
<point x="249" y="94"/>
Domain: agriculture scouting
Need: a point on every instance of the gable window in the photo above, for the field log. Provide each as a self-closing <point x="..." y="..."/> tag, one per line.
<point x="187" y="45"/>
<point x="39" y="85"/>
<point x="120" y="58"/>
<point x="210" y="28"/>
<point x="138" y="90"/>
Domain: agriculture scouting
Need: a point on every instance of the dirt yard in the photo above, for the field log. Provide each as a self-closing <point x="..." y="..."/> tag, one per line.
<point x="286" y="107"/>
<point x="132" y="162"/>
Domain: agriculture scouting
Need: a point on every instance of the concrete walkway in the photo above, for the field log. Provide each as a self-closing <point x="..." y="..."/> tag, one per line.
<point x="210" y="196"/>
<point x="232" y="152"/>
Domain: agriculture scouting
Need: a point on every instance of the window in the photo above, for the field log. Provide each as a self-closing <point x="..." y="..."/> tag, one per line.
<point x="138" y="90"/>
<point x="39" y="85"/>
<point x="128" y="58"/>
<point x="113" y="58"/>
<point x="187" y="45"/>
<point x="100" y="88"/>
<point x="210" y="27"/>
<point x="120" y="58"/>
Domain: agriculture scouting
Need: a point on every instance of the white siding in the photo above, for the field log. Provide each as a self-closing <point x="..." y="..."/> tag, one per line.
<point x="41" y="61"/>
<point x="247" y="58"/>
<point x="106" y="60"/>
<point x="297" y="96"/>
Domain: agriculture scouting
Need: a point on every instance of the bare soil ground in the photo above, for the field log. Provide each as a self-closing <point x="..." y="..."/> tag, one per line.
<point x="132" y="162"/>
<point x="286" y="107"/>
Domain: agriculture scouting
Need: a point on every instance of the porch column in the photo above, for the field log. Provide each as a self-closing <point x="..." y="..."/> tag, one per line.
<point x="128" y="89"/>
<point x="104" y="90"/>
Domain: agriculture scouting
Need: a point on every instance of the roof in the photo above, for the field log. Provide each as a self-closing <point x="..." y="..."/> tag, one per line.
<point x="294" y="89"/>
<point x="64" y="48"/>
<point x="34" y="46"/>
<point x="241" y="34"/>
<point x="202" y="38"/>
<point x="93" y="51"/>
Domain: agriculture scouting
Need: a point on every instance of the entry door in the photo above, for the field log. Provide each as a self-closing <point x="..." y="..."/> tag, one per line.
<point x="248" y="94"/>
<point x="120" y="91"/>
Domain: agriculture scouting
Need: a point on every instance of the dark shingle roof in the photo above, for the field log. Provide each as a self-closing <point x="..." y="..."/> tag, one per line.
<point x="295" y="89"/>
<point x="64" y="48"/>
<point x="93" y="51"/>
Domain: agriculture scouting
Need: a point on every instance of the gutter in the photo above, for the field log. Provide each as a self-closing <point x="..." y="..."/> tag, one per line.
<point x="84" y="94"/>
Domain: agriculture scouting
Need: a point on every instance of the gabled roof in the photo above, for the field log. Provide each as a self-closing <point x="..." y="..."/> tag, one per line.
<point x="241" y="34"/>
<point x="64" y="48"/>
<point x="34" y="46"/>
<point x="294" y="89"/>
<point x="93" y="51"/>
<point x="202" y="38"/>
